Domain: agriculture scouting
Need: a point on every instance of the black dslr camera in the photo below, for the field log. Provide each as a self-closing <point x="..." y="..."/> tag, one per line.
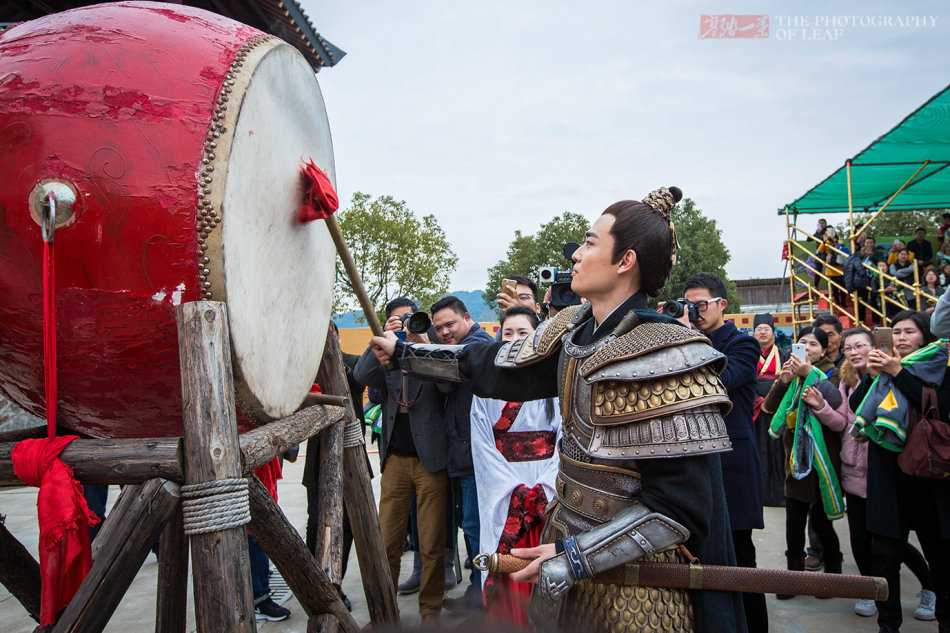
<point x="677" y="308"/>
<point x="561" y="293"/>
<point x="416" y="322"/>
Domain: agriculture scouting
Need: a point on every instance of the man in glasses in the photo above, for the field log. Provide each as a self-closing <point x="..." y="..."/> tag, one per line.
<point x="741" y="470"/>
<point x="525" y="293"/>
<point x="413" y="450"/>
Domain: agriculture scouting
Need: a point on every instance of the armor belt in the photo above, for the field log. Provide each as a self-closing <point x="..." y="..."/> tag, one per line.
<point x="595" y="491"/>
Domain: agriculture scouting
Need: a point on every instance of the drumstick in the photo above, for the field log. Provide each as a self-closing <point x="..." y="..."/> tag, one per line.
<point x="368" y="311"/>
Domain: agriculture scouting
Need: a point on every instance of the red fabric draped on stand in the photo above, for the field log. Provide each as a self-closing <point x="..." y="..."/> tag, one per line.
<point x="507" y="601"/>
<point x="64" y="520"/>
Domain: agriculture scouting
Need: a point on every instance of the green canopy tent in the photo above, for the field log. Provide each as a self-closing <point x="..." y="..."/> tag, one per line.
<point x="904" y="169"/>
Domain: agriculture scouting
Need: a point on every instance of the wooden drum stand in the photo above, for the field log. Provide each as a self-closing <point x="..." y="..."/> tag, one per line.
<point x="207" y="467"/>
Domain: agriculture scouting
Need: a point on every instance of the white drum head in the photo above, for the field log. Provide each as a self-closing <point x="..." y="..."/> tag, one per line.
<point x="277" y="273"/>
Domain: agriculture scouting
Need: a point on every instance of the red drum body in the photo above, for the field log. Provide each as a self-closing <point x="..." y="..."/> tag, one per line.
<point x="181" y="133"/>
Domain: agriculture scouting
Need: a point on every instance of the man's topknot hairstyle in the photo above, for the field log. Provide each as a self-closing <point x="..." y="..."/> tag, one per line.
<point x="646" y="228"/>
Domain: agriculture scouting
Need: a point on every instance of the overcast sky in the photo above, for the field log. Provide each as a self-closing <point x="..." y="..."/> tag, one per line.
<point x="498" y="116"/>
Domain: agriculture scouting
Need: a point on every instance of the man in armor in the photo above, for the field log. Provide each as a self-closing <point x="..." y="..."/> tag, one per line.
<point x="642" y="407"/>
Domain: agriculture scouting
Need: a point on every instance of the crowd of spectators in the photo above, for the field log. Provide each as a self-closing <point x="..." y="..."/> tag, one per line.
<point x="837" y="400"/>
<point x="824" y="392"/>
<point x="883" y="277"/>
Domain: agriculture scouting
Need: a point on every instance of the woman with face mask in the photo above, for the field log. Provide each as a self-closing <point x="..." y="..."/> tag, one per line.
<point x="812" y="449"/>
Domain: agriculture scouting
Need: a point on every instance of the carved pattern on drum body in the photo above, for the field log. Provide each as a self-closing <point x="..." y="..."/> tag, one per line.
<point x="207" y="215"/>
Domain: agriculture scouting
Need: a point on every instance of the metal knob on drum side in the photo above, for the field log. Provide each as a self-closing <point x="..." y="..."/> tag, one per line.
<point x="66" y="196"/>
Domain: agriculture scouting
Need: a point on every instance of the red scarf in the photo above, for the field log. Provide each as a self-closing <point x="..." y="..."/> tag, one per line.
<point x="64" y="520"/>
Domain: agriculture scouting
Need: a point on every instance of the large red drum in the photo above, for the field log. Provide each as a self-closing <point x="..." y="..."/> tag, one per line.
<point x="180" y="134"/>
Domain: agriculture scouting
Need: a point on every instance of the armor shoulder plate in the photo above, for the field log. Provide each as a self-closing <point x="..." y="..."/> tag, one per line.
<point x="659" y="396"/>
<point x="667" y="381"/>
<point x="545" y="340"/>
<point x="646" y="338"/>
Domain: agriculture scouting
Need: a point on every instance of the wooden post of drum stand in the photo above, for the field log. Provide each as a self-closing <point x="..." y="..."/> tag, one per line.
<point x="360" y="503"/>
<point x="19" y="572"/>
<point x="328" y="541"/>
<point x="224" y="599"/>
<point x="361" y="508"/>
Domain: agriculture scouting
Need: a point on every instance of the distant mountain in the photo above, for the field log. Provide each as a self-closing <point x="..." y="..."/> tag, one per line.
<point x="480" y="311"/>
<point x="472" y="299"/>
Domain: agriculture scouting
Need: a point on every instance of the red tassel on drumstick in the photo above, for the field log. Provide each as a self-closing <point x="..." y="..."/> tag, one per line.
<point x="320" y="200"/>
<point x="319" y="204"/>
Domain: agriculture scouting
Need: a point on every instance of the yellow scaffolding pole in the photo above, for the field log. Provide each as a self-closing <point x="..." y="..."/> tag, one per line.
<point x="889" y="200"/>
<point x="851" y="237"/>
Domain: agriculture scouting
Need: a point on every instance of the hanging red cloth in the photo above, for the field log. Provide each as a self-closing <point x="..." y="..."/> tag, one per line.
<point x="269" y="473"/>
<point x="320" y="200"/>
<point x="64" y="520"/>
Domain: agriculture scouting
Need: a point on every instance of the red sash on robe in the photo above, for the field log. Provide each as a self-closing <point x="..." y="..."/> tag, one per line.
<point x="770" y="364"/>
<point x="506" y="601"/>
<point x="521" y="446"/>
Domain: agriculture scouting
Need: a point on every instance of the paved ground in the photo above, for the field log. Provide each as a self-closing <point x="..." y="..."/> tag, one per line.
<point x="137" y="612"/>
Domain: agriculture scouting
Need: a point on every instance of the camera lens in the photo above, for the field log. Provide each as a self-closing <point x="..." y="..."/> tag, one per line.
<point x="562" y="296"/>
<point x="673" y="309"/>
<point x="419" y="323"/>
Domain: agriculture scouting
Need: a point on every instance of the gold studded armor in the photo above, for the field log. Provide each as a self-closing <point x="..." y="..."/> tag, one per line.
<point x="596" y="606"/>
<point x="651" y="393"/>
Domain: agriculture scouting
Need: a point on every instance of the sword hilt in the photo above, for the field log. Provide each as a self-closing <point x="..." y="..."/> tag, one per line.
<point x="500" y="563"/>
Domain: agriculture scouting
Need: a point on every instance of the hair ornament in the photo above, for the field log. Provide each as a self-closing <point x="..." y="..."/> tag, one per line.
<point x="662" y="201"/>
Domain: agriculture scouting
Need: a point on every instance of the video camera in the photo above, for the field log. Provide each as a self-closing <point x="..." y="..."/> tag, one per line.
<point x="416" y="322"/>
<point x="561" y="293"/>
<point x="678" y="307"/>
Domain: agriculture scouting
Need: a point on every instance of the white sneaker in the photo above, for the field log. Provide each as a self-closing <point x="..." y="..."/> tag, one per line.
<point x="867" y="608"/>
<point x="925" y="610"/>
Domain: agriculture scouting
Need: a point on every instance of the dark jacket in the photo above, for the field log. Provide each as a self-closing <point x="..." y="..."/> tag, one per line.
<point x="923" y="251"/>
<point x="425" y="415"/>
<point x="741" y="470"/>
<point x="856" y="276"/>
<point x="458" y="415"/>
<point x="890" y="491"/>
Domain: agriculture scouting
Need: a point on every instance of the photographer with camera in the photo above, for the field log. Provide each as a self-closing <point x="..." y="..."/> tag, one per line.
<point x="560" y="294"/>
<point x="413" y="452"/>
<point x="705" y="304"/>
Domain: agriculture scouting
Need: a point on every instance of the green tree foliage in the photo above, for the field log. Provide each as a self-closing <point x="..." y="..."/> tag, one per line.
<point x="396" y="253"/>
<point x="701" y="250"/>
<point x="527" y="254"/>
<point x="892" y="224"/>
